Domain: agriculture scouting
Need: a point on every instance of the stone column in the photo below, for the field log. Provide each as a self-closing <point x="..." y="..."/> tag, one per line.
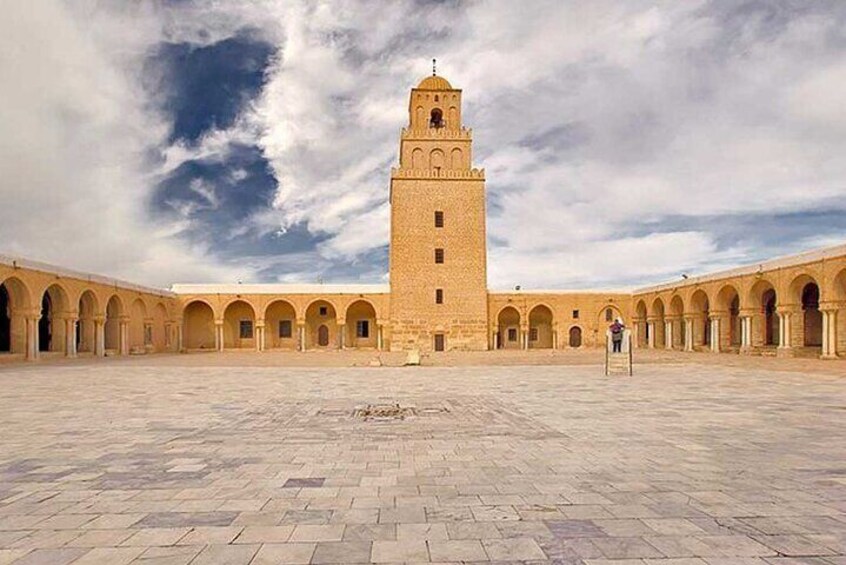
<point x="342" y="337"/>
<point x="668" y="334"/>
<point x="32" y="349"/>
<point x="524" y="338"/>
<point x="218" y="335"/>
<point x="259" y="335"/>
<point x="379" y="338"/>
<point x="302" y="331"/>
<point x="123" y="335"/>
<point x="99" y="337"/>
<point x="784" y="331"/>
<point x="555" y="338"/>
<point x="688" y="334"/>
<point x="179" y="337"/>
<point x="650" y="334"/>
<point x="746" y="317"/>
<point x="829" y="332"/>
<point x="70" y="336"/>
<point x="636" y="333"/>
<point x="715" y="334"/>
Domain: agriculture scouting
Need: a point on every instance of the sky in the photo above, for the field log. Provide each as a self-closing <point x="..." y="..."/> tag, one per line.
<point x="624" y="143"/>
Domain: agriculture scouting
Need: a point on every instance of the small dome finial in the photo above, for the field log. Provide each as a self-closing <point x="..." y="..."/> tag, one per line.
<point x="434" y="71"/>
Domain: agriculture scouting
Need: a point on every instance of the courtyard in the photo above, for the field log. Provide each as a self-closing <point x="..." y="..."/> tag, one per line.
<point x="230" y="458"/>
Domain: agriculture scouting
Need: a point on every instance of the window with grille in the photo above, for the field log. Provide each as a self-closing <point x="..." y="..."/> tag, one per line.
<point x="609" y="315"/>
<point x="323" y="311"/>
<point x="439" y="219"/>
<point x="439" y="296"/>
<point x="286" y="329"/>
<point x="439" y="255"/>
<point x="246" y="329"/>
<point x="512" y="334"/>
<point x="362" y="328"/>
<point x="533" y="334"/>
<point x="575" y="314"/>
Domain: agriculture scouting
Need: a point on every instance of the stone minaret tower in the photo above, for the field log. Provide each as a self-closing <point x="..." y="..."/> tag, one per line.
<point x="438" y="267"/>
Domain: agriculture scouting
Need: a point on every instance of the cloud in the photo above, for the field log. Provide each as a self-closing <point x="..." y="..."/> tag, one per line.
<point x="622" y="141"/>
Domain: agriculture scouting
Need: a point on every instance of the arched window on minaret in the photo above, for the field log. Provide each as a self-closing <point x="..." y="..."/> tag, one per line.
<point x="436" y="118"/>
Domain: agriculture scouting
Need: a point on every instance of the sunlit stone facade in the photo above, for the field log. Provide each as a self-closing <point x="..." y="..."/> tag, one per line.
<point x="437" y="298"/>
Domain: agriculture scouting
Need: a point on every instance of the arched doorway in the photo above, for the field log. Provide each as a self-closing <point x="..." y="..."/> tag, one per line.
<point x="575" y="336"/>
<point x="323" y="335"/>
<point x="239" y="326"/>
<point x="728" y="301"/>
<point x="701" y="308"/>
<point x="769" y="305"/>
<point x="280" y="320"/>
<point x="540" y="328"/>
<point x="86" y="329"/>
<point x="114" y="310"/>
<point x="508" y="328"/>
<point x="812" y="317"/>
<point x="198" y="326"/>
<point x="137" y="317"/>
<point x="361" y="325"/>
<point x="658" y="323"/>
<point x="51" y="326"/>
<point x="14" y="302"/>
<point x="321" y="325"/>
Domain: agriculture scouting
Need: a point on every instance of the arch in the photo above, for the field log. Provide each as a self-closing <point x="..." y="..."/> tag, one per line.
<point x="575" y="337"/>
<point x="811" y="315"/>
<point x="838" y="288"/>
<point x="198" y="325"/>
<point x="436" y="159"/>
<point x="114" y="311"/>
<point x="700" y="307"/>
<point x="14" y="302"/>
<point x="436" y="118"/>
<point x="608" y="314"/>
<point x="51" y="325"/>
<point x="361" y="325"/>
<point x="417" y="162"/>
<point x="452" y="119"/>
<point x="728" y="301"/>
<point x="540" y="327"/>
<point x="280" y="322"/>
<point x="322" y="313"/>
<point x="657" y="314"/>
<point x="508" y="328"/>
<point x="86" y="327"/>
<point x="763" y="300"/>
<point x="137" y="325"/>
<point x="160" y="337"/>
<point x="456" y="159"/>
<point x="239" y="322"/>
<point x="420" y="113"/>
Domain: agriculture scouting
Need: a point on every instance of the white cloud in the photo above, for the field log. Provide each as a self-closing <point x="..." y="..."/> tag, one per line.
<point x="591" y="118"/>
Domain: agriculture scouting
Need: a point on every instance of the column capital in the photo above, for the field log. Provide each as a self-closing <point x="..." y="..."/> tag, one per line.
<point x="831" y="306"/>
<point x="748" y="312"/>
<point x="786" y="309"/>
<point x="218" y="322"/>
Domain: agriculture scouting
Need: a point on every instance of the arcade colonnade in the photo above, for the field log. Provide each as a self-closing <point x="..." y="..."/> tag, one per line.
<point x="284" y="317"/>
<point x="790" y="307"/>
<point x="553" y="320"/>
<point x="46" y="311"/>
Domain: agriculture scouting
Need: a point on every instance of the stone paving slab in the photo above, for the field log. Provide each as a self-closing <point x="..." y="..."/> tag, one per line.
<point x="174" y="463"/>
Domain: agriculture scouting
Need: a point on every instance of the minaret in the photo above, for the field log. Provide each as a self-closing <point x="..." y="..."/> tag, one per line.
<point x="438" y="268"/>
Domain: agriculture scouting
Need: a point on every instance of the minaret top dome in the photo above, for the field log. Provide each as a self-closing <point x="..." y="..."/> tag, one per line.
<point x="434" y="82"/>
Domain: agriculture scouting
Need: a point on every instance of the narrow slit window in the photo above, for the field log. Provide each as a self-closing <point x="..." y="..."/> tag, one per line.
<point x="439" y="296"/>
<point x="439" y="255"/>
<point x="439" y="219"/>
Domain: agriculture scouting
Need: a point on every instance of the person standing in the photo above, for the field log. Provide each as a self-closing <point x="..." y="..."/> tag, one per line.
<point x="617" y="329"/>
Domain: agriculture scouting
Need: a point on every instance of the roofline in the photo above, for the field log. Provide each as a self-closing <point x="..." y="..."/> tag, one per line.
<point x="273" y="288"/>
<point x="21" y="263"/>
<point x="782" y="262"/>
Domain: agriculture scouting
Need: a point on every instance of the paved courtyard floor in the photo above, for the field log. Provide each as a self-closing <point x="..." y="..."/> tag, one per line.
<point x="162" y="461"/>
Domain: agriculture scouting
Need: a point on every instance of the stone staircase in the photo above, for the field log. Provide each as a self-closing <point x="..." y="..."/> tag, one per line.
<point x="618" y="364"/>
